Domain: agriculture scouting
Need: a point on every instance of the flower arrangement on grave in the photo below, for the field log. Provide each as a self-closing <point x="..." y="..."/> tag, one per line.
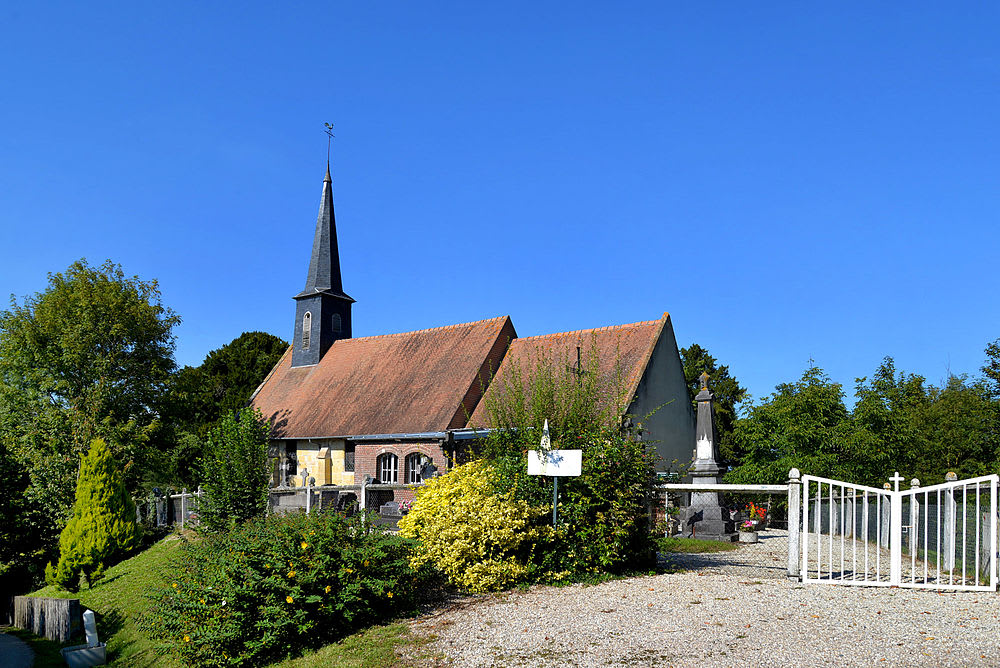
<point x="405" y="506"/>
<point x="756" y="515"/>
<point x="748" y="525"/>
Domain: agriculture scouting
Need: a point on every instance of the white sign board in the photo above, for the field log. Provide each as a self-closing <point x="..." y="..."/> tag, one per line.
<point x="555" y="462"/>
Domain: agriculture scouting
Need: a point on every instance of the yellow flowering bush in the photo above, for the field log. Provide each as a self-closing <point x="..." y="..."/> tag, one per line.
<point x="481" y="540"/>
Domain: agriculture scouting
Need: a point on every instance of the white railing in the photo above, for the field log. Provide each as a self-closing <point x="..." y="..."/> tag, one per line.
<point x="854" y="535"/>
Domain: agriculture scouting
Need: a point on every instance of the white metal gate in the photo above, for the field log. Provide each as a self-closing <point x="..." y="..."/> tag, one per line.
<point x="938" y="537"/>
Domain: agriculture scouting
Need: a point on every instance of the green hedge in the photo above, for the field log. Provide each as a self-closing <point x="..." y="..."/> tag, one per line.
<point x="273" y="587"/>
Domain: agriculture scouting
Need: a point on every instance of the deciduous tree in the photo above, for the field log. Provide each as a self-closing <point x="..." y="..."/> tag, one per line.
<point x="727" y="390"/>
<point x="87" y="357"/>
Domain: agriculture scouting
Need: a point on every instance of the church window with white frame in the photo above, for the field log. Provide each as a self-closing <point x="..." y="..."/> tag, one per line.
<point x="413" y="464"/>
<point x="387" y="466"/>
<point x="307" y="319"/>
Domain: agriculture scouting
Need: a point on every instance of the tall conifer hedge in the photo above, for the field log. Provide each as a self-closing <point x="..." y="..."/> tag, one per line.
<point x="102" y="528"/>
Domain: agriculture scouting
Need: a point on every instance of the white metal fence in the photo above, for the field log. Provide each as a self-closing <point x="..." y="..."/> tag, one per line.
<point x="938" y="537"/>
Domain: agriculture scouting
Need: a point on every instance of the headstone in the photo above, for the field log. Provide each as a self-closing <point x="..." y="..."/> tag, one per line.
<point x="705" y="518"/>
<point x="884" y="526"/>
<point x="390" y="509"/>
<point x="950" y="523"/>
<point x="90" y="628"/>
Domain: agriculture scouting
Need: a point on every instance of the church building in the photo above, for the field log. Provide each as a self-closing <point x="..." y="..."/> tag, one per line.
<point x="387" y="406"/>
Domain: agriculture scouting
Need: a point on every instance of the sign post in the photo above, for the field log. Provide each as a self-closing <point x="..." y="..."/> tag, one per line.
<point x="555" y="463"/>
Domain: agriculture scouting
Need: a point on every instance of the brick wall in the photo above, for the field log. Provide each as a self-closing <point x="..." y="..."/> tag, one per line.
<point x="366" y="455"/>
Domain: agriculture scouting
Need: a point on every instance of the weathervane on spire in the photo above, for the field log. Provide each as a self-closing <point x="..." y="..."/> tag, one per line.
<point x="328" y="129"/>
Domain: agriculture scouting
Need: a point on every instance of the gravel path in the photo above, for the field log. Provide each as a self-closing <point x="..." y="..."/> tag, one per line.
<point x="15" y="653"/>
<point x="717" y="616"/>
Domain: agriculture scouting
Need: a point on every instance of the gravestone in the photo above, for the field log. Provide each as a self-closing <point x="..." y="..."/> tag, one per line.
<point x="705" y="517"/>
<point x="90" y="628"/>
<point x="390" y="509"/>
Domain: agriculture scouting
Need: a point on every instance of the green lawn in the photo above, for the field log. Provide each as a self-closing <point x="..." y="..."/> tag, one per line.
<point x="372" y="648"/>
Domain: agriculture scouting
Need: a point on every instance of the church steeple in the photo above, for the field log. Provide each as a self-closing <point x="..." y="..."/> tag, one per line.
<point x="322" y="310"/>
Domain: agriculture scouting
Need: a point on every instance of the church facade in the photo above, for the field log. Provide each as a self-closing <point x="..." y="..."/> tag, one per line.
<point x="386" y="407"/>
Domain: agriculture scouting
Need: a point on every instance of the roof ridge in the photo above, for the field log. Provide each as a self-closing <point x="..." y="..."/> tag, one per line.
<point x="588" y="331"/>
<point x="424" y="331"/>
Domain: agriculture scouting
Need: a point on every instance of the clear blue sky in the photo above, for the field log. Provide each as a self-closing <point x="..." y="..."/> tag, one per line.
<point x="789" y="182"/>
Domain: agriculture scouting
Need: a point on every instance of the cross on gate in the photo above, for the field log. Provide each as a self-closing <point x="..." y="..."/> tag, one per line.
<point x="896" y="480"/>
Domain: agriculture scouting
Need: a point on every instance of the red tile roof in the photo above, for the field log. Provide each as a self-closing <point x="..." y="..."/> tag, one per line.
<point x="412" y="382"/>
<point x="629" y="345"/>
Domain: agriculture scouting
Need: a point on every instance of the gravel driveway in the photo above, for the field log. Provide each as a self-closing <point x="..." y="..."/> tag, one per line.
<point x="716" y="616"/>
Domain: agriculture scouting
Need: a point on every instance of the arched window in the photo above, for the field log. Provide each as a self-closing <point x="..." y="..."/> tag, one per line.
<point x="387" y="466"/>
<point x="335" y="323"/>
<point x="414" y="462"/>
<point x="307" y="320"/>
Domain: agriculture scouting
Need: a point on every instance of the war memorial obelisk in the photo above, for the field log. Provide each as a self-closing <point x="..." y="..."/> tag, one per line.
<point x="705" y="518"/>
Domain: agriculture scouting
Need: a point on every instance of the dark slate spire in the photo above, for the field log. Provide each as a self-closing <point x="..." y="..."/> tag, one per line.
<point x="322" y="309"/>
<point x="324" y="265"/>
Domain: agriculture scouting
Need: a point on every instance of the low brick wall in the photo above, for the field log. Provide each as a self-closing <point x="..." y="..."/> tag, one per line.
<point x="57" y="619"/>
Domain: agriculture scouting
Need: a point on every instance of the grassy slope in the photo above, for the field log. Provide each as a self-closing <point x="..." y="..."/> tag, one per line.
<point x="119" y="601"/>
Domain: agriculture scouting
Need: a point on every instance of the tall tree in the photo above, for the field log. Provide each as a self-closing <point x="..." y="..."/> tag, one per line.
<point x="992" y="368"/>
<point x="727" y="390"/>
<point x="200" y="396"/>
<point x="803" y="424"/>
<point x="224" y="381"/>
<point x="888" y="423"/>
<point x="88" y="357"/>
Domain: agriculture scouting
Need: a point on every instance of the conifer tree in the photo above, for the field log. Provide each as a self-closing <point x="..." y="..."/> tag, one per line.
<point x="102" y="527"/>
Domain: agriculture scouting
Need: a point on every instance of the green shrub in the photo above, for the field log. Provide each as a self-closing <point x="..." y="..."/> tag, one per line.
<point x="482" y="540"/>
<point x="102" y="528"/>
<point x="604" y="523"/>
<point x="603" y="513"/>
<point x="234" y="470"/>
<point x="273" y="587"/>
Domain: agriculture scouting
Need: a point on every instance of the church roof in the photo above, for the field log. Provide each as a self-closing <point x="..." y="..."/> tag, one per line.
<point x="620" y="350"/>
<point x="422" y="381"/>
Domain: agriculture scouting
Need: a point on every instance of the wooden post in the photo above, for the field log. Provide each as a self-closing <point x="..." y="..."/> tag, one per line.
<point x="794" y="514"/>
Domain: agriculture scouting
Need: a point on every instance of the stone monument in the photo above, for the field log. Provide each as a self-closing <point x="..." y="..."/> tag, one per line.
<point x="705" y="518"/>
